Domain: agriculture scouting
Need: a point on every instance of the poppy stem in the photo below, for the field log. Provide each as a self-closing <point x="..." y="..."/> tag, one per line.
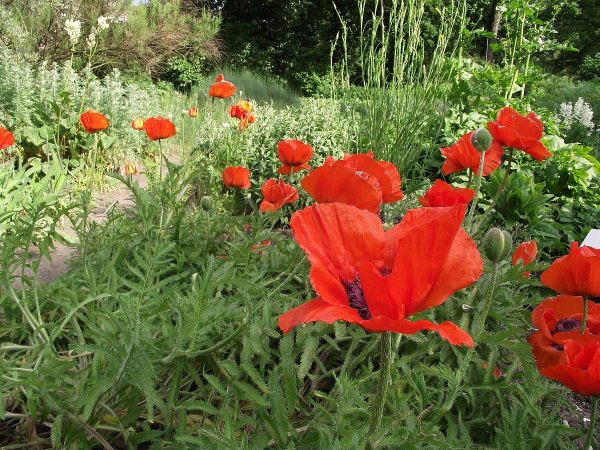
<point x="478" y="328"/>
<point x="377" y="407"/>
<point x="470" y="179"/>
<point x="585" y="314"/>
<point x="499" y="192"/>
<point x="590" y="433"/>
<point x="477" y="189"/>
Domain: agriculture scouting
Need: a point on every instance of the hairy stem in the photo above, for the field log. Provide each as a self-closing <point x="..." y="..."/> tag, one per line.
<point x="382" y="386"/>
<point x="590" y="433"/>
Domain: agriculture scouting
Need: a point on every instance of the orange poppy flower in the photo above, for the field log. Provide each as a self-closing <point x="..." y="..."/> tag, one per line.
<point x="357" y="180"/>
<point x="579" y="365"/>
<point x="525" y="252"/>
<point x="558" y="319"/>
<point x="193" y="112"/>
<point x="6" y="138"/>
<point x="221" y="88"/>
<point x="442" y="194"/>
<point x="159" y="128"/>
<point x="577" y="273"/>
<point x="377" y="279"/>
<point x="276" y="194"/>
<point x="294" y="155"/>
<point x="236" y="177"/>
<point x="130" y="169"/>
<point x="512" y="129"/>
<point x="93" y="121"/>
<point x="137" y="124"/>
<point x="463" y="155"/>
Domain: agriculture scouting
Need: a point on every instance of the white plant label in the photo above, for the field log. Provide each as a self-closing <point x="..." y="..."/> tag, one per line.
<point x="592" y="239"/>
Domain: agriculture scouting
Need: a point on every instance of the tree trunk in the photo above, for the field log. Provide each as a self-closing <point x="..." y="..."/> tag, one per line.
<point x="492" y="26"/>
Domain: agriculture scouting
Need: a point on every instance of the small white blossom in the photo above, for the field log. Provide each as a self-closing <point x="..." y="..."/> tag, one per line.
<point x="73" y="28"/>
<point x="226" y="125"/>
<point x="102" y="23"/>
<point x="579" y="112"/>
<point x="91" y="39"/>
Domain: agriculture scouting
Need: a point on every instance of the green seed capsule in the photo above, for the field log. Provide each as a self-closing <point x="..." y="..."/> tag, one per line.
<point x="497" y="244"/>
<point x="206" y="203"/>
<point x="481" y="139"/>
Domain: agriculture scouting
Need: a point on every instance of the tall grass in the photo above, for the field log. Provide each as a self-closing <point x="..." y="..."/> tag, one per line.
<point x="403" y="83"/>
<point x="257" y="87"/>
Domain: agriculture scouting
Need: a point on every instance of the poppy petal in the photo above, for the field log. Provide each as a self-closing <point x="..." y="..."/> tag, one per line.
<point x="338" y="237"/>
<point x="316" y="310"/>
<point x="447" y="330"/>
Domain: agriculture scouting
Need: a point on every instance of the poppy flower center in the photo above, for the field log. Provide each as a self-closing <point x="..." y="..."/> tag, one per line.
<point x="567" y="325"/>
<point x="356" y="297"/>
<point x="558" y="347"/>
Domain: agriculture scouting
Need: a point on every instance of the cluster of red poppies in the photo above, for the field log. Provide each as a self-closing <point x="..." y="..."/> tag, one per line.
<point x="377" y="279"/>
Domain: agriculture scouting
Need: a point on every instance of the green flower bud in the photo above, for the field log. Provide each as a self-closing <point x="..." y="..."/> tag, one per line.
<point x="497" y="244"/>
<point x="206" y="203"/>
<point x="481" y="139"/>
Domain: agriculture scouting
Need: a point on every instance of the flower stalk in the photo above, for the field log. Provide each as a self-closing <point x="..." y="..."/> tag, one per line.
<point x="590" y="433"/>
<point x="585" y="314"/>
<point x="385" y="345"/>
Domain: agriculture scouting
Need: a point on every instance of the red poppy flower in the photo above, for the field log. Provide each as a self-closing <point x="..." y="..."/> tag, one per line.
<point x="497" y="372"/>
<point x="512" y="129"/>
<point x="259" y="249"/>
<point x="159" y="128"/>
<point x="93" y="121"/>
<point x="236" y="177"/>
<point x="385" y="172"/>
<point x="137" y="124"/>
<point x="357" y="180"/>
<point x="276" y="194"/>
<point x="336" y="182"/>
<point x="193" y="112"/>
<point x="577" y="273"/>
<point x="221" y="88"/>
<point x="250" y="118"/>
<point x="442" y="194"/>
<point x="463" y="155"/>
<point x="558" y="319"/>
<point x="377" y="279"/>
<point x="6" y="138"/>
<point x="525" y="252"/>
<point x="294" y="155"/>
<point x="579" y="365"/>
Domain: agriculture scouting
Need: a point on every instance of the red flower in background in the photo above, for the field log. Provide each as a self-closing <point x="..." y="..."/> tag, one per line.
<point x="294" y="155"/>
<point x="497" y="372"/>
<point x="276" y="194"/>
<point x="193" y="112"/>
<point x="259" y="249"/>
<point x="236" y="177"/>
<point x="6" y="138"/>
<point x="579" y="365"/>
<point x="93" y="121"/>
<point x="221" y="88"/>
<point x="357" y="180"/>
<point x="159" y="128"/>
<point x="463" y="155"/>
<point x="443" y="194"/>
<point x="577" y="273"/>
<point x="558" y="319"/>
<point x="385" y="172"/>
<point x="137" y="124"/>
<point x="378" y="279"/>
<point x="512" y="129"/>
<point x="526" y="253"/>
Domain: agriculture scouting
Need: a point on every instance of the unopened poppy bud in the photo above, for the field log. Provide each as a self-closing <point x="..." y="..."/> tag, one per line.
<point x="497" y="244"/>
<point x="206" y="203"/>
<point x="481" y="139"/>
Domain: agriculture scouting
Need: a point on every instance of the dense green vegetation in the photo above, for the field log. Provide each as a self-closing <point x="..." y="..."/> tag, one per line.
<point x="164" y="331"/>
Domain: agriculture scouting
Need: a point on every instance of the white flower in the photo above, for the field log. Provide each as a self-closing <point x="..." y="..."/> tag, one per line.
<point x="91" y="39"/>
<point x="226" y="125"/>
<point x="73" y="28"/>
<point x="102" y="23"/>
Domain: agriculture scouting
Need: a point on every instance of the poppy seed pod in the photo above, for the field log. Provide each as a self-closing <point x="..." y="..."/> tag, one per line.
<point x="497" y="244"/>
<point x="206" y="203"/>
<point x="481" y="139"/>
